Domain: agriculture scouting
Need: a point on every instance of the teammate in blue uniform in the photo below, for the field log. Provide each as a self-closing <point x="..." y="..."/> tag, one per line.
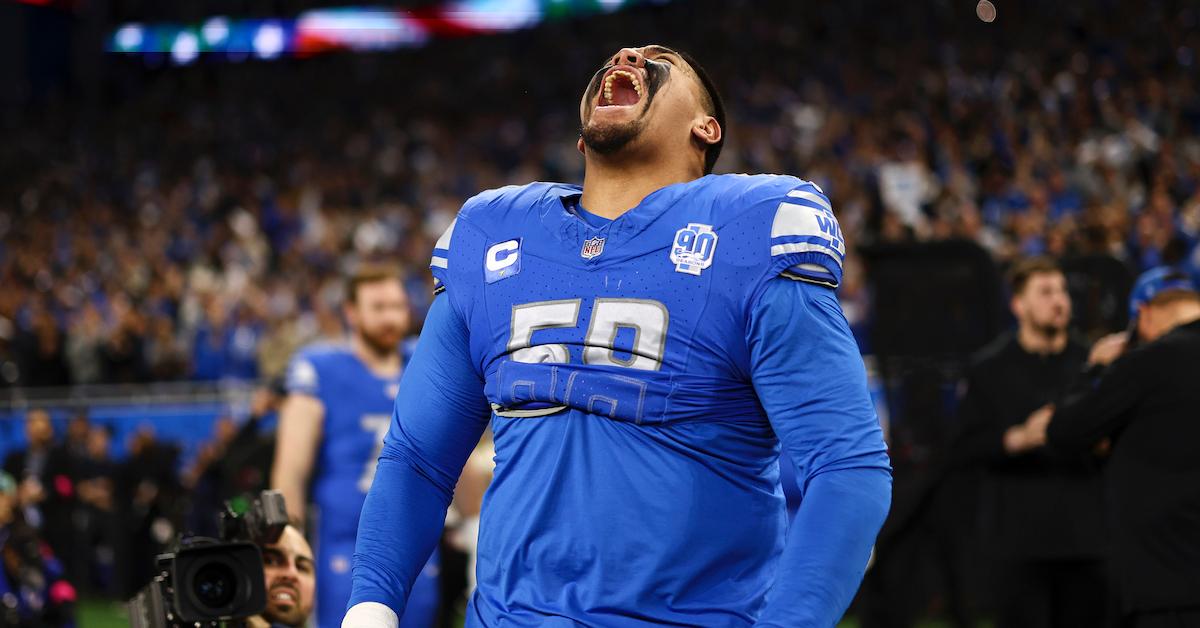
<point x="642" y="346"/>
<point x="331" y="430"/>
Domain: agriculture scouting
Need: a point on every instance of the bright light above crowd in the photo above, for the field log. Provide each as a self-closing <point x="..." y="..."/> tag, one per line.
<point x="346" y="28"/>
<point x="186" y="48"/>
<point x="216" y="31"/>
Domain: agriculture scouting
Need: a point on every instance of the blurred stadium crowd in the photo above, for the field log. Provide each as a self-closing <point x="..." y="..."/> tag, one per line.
<point x="195" y="228"/>
<point x="195" y="224"/>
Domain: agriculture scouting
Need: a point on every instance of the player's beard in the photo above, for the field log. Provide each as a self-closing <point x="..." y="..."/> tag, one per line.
<point x="382" y="342"/>
<point x="1050" y="330"/>
<point x="1053" y="324"/>
<point x="611" y="139"/>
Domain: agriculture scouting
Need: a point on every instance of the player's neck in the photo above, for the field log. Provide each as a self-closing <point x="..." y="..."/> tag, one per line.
<point x="381" y="364"/>
<point x="611" y="189"/>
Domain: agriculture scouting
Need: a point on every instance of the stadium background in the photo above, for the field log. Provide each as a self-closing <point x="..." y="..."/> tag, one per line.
<point x="174" y="220"/>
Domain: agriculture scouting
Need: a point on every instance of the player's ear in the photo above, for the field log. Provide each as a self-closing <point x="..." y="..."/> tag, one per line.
<point x="579" y="145"/>
<point x="1014" y="306"/>
<point x="707" y="131"/>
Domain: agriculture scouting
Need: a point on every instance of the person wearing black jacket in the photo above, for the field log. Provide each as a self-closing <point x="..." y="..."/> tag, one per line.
<point x="1042" y="513"/>
<point x="41" y="471"/>
<point x="1147" y="401"/>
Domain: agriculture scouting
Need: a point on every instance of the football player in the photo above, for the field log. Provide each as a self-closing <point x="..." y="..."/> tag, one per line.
<point x="331" y="429"/>
<point x="642" y="346"/>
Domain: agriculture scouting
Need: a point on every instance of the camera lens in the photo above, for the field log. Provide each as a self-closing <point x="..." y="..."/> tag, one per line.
<point x="215" y="585"/>
<point x="213" y="581"/>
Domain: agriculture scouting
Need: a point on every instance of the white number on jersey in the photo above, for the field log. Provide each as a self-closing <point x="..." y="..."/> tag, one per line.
<point x="376" y="424"/>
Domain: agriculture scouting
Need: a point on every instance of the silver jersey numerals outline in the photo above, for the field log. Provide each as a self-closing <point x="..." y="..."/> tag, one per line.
<point x="647" y="318"/>
<point x="530" y="317"/>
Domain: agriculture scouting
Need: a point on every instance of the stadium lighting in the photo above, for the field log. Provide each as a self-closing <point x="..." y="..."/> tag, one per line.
<point x="269" y="41"/>
<point x="376" y="29"/>
<point x="360" y="28"/>
<point x="186" y="48"/>
<point x="495" y="15"/>
<point x="215" y="31"/>
<point x="129" y="38"/>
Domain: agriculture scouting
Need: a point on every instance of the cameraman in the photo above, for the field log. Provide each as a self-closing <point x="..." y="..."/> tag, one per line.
<point x="291" y="582"/>
<point x="1147" y="401"/>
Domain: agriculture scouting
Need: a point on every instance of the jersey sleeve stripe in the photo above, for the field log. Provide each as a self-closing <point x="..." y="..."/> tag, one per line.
<point x="444" y="241"/>
<point x="837" y="246"/>
<point x="812" y="197"/>
<point x="807" y="247"/>
<point x="795" y="219"/>
<point x="439" y="262"/>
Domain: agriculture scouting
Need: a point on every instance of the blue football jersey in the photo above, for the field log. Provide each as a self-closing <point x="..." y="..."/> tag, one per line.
<point x="358" y="405"/>
<point x="617" y="363"/>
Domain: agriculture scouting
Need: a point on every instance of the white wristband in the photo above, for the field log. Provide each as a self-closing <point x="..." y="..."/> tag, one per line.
<point x="370" y="615"/>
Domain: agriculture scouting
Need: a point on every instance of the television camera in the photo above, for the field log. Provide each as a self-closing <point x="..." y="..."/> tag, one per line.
<point x="206" y="582"/>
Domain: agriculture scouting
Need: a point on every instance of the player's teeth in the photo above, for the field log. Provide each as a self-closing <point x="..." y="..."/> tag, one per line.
<point x="608" y="84"/>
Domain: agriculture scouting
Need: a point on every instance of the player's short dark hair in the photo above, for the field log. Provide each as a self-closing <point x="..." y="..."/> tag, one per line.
<point x="1022" y="270"/>
<point x="369" y="273"/>
<point x="713" y="105"/>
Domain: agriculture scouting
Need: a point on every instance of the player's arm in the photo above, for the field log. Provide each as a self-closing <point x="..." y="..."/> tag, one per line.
<point x="301" y="420"/>
<point x="440" y="414"/>
<point x="811" y="381"/>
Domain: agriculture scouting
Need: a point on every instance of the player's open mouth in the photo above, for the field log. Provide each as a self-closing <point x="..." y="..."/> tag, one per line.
<point x="620" y="88"/>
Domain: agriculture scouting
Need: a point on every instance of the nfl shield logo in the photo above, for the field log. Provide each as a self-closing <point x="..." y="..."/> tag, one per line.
<point x="592" y="248"/>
